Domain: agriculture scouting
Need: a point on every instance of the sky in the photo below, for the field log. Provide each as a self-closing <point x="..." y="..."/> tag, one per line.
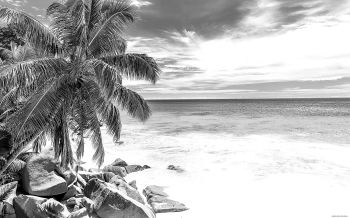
<point x="239" y="48"/>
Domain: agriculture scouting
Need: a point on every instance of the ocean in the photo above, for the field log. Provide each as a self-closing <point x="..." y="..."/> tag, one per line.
<point x="276" y="158"/>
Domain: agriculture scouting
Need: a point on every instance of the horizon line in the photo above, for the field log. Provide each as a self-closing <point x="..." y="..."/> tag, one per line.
<point x="287" y="98"/>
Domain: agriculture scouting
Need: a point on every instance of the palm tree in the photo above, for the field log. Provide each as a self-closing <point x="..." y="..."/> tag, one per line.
<point x="75" y="78"/>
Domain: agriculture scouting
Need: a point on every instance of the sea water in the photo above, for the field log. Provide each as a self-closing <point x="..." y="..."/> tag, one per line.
<point x="283" y="158"/>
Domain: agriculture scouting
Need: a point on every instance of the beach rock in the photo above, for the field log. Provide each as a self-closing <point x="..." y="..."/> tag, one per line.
<point x="126" y="188"/>
<point x="133" y="168"/>
<point x="73" y="191"/>
<point x="110" y="202"/>
<point x="54" y="208"/>
<point x="5" y="142"/>
<point x="159" y="201"/>
<point x="70" y="176"/>
<point x="154" y="190"/>
<point x="120" y="171"/>
<point x="161" y="204"/>
<point x="119" y="163"/>
<point x="176" y="168"/>
<point x="104" y="176"/>
<point x="42" y="177"/>
<point x="88" y="204"/>
<point x="82" y="213"/>
<point x="7" y="210"/>
<point x="27" y="206"/>
<point x="146" y="167"/>
<point x="108" y="176"/>
<point x="133" y="184"/>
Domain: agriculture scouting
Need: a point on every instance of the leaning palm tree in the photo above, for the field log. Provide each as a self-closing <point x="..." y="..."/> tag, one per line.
<point x="75" y="78"/>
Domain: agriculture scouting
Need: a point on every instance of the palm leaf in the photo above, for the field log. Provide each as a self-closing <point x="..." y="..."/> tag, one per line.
<point x="29" y="71"/>
<point x="16" y="166"/>
<point x="8" y="192"/>
<point x="112" y="23"/>
<point x="132" y="102"/>
<point x="39" y="111"/>
<point x="135" y="66"/>
<point x="36" y="33"/>
<point x="111" y="117"/>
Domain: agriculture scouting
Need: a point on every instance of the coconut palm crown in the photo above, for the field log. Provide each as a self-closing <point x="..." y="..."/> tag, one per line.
<point x="72" y="78"/>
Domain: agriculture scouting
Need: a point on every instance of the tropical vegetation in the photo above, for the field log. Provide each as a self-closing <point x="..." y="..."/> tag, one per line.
<point x="69" y="76"/>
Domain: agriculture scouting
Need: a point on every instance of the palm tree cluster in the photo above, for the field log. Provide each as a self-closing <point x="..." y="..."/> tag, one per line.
<point x="69" y="77"/>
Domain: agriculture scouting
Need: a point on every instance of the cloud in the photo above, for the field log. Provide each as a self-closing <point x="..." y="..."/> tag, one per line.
<point x="15" y="3"/>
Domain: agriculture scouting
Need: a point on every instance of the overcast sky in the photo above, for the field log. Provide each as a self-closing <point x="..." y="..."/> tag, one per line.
<point x="240" y="48"/>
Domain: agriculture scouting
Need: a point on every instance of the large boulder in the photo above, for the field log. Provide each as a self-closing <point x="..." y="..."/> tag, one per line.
<point x="42" y="177"/>
<point x="113" y="203"/>
<point x="159" y="201"/>
<point x="120" y="171"/>
<point x="27" y="206"/>
<point x="127" y="189"/>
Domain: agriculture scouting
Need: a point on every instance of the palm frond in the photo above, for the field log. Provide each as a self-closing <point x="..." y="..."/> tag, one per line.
<point x="106" y="76"/>
<point x="40" y="110"/>
<point x="112" y="23"/>
<point x="91" y="94"/>
<point x="39" y="142"/>
<point x="29" y="71"/>
<point x="135" y="66"/>
<point x="8" y="192"/>
<point x="111" y="117"/>
<point x="132" y="102"/>
<point x="16" y="166"/>
<point x="36" y="33"/>
<point x="97" y="143"/>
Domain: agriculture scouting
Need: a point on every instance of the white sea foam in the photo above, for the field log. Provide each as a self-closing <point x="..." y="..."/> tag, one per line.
<point x="247" y="176"/>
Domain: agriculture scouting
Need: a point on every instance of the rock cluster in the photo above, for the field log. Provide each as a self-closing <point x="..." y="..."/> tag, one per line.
<point x="45" y="191"/>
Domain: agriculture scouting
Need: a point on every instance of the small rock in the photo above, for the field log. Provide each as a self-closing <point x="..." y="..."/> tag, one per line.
<point x="133" y="168"/>
<point x="70" y="176"/>
<point x="73" y="191"/>
<point x="154" y="190"/>
<point x="88" y="204"/>
<point x="133" y="184"/>
<point x="119" y="163"/>
<point x="82" y="213"/>
<point x="146" y="167"/>
<point x="108" y="176"/>
<point x="176" y="168"/>
<point x="120" y="171"/>
<point x="163" y="205"/>
<point x="159" y="202"/>
<point x="99" y="175"/>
